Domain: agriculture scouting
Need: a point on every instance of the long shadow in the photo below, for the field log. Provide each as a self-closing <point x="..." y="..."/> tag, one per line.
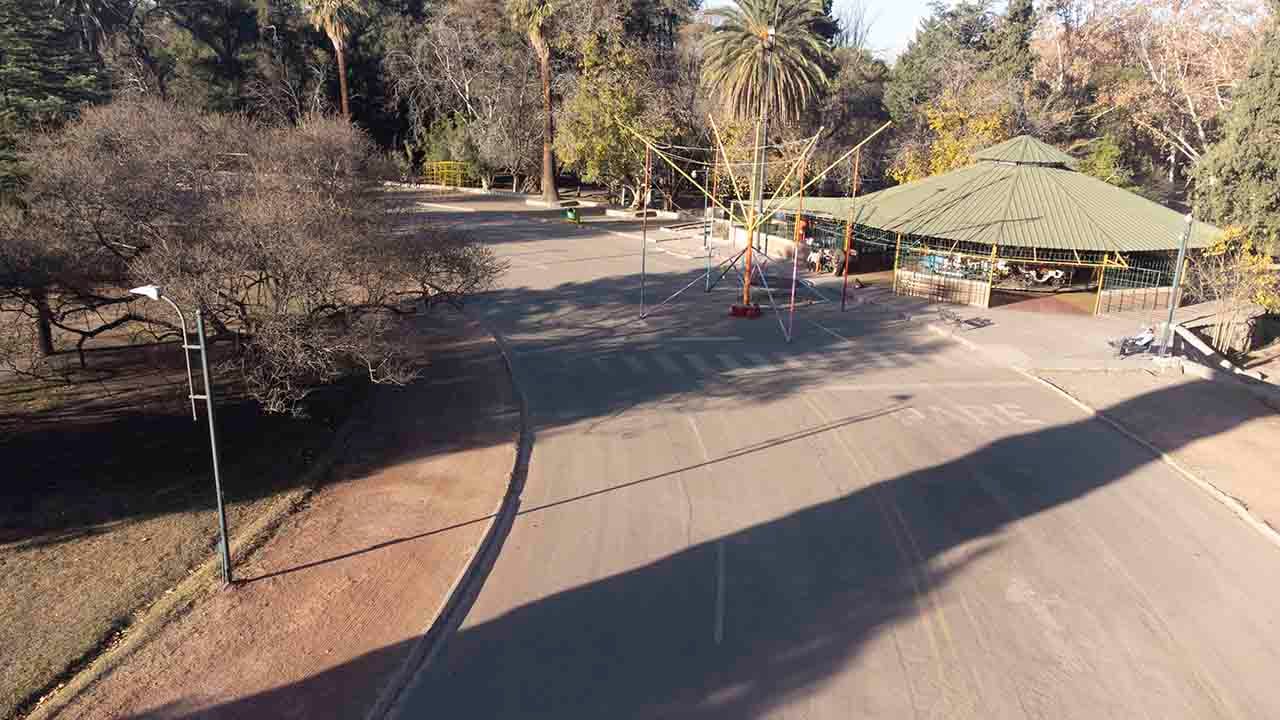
<point x="808" y="594"/>
<point x="85" y="466"/>
<point x="754" y="448"/>
<point x="823" y="581"/>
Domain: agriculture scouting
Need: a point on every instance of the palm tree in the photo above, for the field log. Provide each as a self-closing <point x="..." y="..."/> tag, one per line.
<point x="738" y="45"/>
<point x="530" y="17"/>
<point x="334" y="18"/>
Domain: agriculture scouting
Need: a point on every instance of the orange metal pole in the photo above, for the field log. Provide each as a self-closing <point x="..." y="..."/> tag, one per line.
<point x="795" y="255"/>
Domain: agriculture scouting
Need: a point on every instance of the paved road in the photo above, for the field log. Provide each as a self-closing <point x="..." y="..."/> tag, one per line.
<point x="867" y="522"/>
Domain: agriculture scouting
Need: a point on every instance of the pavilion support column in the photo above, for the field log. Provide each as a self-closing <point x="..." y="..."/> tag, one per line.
<point x="897" y="250"/>
<point x="1102" y="279"/>
<point x="991" y="275"/>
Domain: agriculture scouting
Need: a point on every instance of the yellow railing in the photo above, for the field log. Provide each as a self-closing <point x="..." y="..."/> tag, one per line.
<point x="449" y="173"/>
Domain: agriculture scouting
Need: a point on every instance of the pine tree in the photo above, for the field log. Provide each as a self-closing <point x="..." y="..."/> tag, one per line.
<point x="1012" y="50"/>
<point x="45" y="74"/>
<point x="1238" y="179"/>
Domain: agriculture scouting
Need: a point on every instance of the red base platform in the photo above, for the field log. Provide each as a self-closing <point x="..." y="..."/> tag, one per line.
<point x="747" y="311"/>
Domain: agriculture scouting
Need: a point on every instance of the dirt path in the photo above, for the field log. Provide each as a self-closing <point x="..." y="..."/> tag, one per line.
<point x="328" y="610"/>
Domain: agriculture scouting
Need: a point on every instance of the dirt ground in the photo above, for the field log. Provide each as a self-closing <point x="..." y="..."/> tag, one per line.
<point x="107" y="500"/>
<point x="1239" y="461"/>
<point x="329" y="610"/>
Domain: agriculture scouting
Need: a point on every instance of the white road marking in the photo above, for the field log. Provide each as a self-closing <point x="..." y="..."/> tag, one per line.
<point x="525" y="264"/>
<point x="698" y="363"/>
<point x="872" y="387"/>
<point x="442" y="206"/>
<point x="666" y="363"/>
<point x="879" y="360"/>
<point x="718" y="632"/>
<point x="829" y="331"/>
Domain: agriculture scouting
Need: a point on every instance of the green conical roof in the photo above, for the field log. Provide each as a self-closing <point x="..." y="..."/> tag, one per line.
<point x="1020" y="193"/>
<point x="1026" y="150"/>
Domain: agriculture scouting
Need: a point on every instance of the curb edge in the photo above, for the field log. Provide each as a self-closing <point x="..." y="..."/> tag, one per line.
<point x="466" y="587"/>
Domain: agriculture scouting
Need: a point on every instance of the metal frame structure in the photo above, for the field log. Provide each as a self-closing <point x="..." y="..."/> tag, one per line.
<point x="754" y="221"/>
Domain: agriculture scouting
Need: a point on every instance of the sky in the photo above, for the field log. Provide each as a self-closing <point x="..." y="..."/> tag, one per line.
<point x="893" y="23"/>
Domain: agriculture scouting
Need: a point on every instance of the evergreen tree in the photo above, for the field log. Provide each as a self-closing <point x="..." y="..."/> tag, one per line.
<point x="1012" y="45"/>
<point x="44" y="71"/>
<point x="951" y="37"/>
<point x="1238" y="179"/>
<point x="45" y="74"/>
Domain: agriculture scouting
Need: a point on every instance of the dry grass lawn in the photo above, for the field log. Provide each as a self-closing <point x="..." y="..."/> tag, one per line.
<point x="107" y="499"/>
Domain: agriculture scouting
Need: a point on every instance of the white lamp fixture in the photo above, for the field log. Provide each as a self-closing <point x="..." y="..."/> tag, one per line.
<point x="148" y="291"/>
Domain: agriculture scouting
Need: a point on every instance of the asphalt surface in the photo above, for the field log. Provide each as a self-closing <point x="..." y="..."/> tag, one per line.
<point x="869" y="521"/>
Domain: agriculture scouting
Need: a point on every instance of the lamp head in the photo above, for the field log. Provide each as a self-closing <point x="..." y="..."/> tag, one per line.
<point x="148" y="291"/>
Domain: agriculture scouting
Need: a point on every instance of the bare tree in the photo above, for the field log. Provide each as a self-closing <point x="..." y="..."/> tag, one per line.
<point x="855" y="20"/>
<point x="278" y="234"/>
<point x="1191" y="53"/>
<point x="459" y="64"/>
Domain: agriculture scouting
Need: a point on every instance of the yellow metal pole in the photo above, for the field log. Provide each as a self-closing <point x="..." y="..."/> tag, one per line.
<point x="991" y="274"/>
<point x="848" y="243"/>
<point x="897" y="250"/>
<point x="1102" y="278"/>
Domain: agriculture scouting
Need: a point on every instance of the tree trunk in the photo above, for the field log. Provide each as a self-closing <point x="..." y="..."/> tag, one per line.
<point x="342" y="79"/>
<point x="44" y="321"/>
<point x="549" y="191"/>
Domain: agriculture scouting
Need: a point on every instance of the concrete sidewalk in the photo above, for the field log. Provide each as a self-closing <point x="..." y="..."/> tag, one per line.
<point x="327" y="612"/>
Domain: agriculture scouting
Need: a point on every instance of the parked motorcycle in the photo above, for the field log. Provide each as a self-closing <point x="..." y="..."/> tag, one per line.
<point x="1134" y="344"/>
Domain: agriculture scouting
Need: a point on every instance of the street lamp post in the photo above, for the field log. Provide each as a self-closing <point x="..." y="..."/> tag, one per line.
<point x="1167" y="350"/>
<point x="706" y="227"/>
<point x="154" y="293"/>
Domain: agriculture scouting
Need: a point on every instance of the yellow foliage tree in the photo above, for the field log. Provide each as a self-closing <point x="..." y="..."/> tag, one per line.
<point x="957" y="132"/>
<point x="1237" y="276"/>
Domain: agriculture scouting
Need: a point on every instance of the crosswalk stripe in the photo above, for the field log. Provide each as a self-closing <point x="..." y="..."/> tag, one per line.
<point x="878" y="359"/>
<point x="787" y="361"/>
<point x="666" y="363"/>
<point x="699" y="364"/>
<point x="902" y="359"/>
<point x="728" y="362"/>
<point x="943" y="359"/>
